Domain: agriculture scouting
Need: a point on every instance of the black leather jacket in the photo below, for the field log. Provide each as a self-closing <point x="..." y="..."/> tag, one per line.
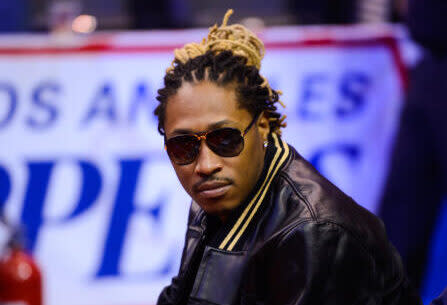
<point x="296" y="240"/>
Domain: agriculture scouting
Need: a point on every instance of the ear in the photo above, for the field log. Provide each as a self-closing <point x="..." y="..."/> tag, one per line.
<point x="263" y="126"/>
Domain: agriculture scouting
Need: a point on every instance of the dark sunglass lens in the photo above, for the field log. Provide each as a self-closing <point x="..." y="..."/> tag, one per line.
<point x="226" y="142"/>
<point x="183" y="149"/>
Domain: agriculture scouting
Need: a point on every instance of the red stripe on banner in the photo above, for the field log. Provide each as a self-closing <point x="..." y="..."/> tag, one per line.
<point x="92" y="48"/>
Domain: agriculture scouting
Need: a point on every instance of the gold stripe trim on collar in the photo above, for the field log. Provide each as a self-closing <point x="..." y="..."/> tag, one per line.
<point x="245" y="212"/>
<point x="253" y="212"/>
<point x="274" y="166"/>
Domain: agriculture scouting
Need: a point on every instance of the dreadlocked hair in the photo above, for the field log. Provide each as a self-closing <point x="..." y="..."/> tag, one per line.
<point x="230" y="54"/>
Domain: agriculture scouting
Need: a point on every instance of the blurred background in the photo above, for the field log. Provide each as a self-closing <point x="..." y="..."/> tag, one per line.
<point x="45" y="15"/>
<point x="91" y="211"/>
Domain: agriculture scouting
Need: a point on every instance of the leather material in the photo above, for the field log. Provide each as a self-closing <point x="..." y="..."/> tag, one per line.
<point x="214" y="271"/>
<point x="308" y="244"/>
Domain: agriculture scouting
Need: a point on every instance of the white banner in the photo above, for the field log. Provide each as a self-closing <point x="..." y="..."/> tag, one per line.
<point x="82" y="166"/>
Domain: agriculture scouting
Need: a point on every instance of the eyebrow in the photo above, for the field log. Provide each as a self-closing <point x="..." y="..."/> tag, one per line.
<point x="182" y="131"/>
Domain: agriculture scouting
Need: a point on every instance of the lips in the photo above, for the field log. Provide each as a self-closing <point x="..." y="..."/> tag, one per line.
<point x="212" y="189"/>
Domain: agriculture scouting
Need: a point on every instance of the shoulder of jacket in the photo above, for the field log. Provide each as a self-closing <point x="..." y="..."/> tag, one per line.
<point x="310" y="229"/>
<point x="321" y="203"/>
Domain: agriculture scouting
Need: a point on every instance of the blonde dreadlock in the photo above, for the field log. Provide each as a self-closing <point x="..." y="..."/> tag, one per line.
<point x="236" y="38"/>
<point x="239" y="42"/>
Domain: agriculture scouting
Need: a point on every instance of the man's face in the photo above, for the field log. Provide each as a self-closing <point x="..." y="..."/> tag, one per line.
<point x="218" y="184"/>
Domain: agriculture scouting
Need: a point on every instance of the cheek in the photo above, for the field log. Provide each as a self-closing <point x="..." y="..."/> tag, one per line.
<point x="184" y="176"/>
<point x="251" y="161"/>
<point x="255" y="149"/>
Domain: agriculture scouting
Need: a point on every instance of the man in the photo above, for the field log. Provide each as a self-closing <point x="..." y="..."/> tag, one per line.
<point x="264" y="226"/>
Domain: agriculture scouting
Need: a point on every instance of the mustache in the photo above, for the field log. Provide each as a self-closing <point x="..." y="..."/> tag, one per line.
<point x="211" y="179"/>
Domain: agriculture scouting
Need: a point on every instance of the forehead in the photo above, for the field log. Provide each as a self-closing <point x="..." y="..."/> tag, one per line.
<point x="197" y="106"/>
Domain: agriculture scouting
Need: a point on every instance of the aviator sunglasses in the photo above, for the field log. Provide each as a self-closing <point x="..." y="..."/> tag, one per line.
<point x="225" y="142"/>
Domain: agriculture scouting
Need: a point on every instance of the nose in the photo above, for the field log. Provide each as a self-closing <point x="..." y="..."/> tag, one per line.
<point x="207" y="163"/>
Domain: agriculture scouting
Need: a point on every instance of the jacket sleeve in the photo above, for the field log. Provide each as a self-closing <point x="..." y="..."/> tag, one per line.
<point x="322" y="263"/>
<point x="171" y="294"/>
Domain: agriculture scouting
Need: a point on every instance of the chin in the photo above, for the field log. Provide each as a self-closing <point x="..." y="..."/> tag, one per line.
<point x="217" y="207"/>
